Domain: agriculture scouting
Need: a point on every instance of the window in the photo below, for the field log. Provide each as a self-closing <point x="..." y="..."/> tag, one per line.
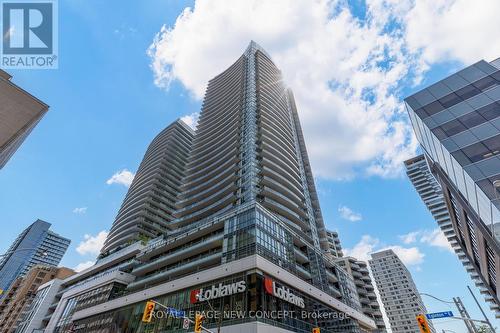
<point x="439" y="133"/>
<point x="450" y="100"/>
<point x="493" y="144"/>
<point x="485" y="83"/>
<point x="476" y="152"/>
<point x="468" y="92"/>
<point x="490" y="111"/>
<point x="472" y="119"/>
<point x="487" y="186"/>
<point x="433" y="108"/>
<point x="468" y="120"/>
<point x="453" y="127"/>
<point x="421" y="113"/>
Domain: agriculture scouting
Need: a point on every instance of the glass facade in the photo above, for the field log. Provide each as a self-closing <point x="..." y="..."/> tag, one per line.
<point x="457" y="122"/>
<point x="31" y="310"/>
<point x="85" y="300"/>
<point x="35" y="245"/>
<point x="254" y="304"/>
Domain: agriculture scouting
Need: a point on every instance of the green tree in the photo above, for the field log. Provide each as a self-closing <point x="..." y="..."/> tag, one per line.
<point x="483" y="329"/>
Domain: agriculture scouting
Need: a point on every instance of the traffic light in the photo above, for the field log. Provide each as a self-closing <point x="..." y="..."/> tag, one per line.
<point x="148" y="311"/>
<point x="197" y="323"/>
<point x="316" y="330"/>
<point x="422" y="324"/>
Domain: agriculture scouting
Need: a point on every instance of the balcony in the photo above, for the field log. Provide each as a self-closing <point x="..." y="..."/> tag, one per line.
<point x="331" y="277"/>
<point x="300" y="256"/>
<point x="303" y="273"/>
<point x="180" y="254"/>
<point x="181" y="269"/>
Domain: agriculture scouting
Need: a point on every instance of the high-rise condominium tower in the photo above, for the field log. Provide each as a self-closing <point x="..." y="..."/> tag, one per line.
<point x="247" y="232"/>
<point x="150" y="201"/>
<point x="35" y="245"/>
<point x="398" y="292"/>
<point x="334" y="246"/>
<point x="19" y="114"/>
<point x="249" y="148"/>
<point x="428" y="188"/>
<point x="457" y="122"/>
<point x="358" y="269"/>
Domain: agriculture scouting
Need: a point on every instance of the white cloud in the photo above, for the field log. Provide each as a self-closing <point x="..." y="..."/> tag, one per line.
<point x="346" y="74"/>
<point x="348" y="214"/>
<point x="363" y="248"/>
<point x="123" y="177"/>
<point x="92" y="244"/>
<point x="83" y="265"/>
<point x="80" y="210"/>
<point x="454" y="29"/>
<point x="410" y="237"/>
<point x="191" y="119"/>
<point x="410" y="256"/>
<point x="434" y="238"/>
<point x="352" y="120"/>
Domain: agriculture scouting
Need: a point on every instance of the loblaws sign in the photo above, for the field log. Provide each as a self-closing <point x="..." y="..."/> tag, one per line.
<point x="216" y="291"/>
<point x="282" y="292"/>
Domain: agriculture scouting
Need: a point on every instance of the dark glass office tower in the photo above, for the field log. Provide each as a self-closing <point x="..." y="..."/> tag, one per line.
<point x="247" y="232"/>
<point x="457" y="123"/>
<point x="148" y="206"/>
<point x="35" y="245"/>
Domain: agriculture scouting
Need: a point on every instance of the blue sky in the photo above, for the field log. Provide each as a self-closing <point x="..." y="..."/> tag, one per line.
<point x="105" y="107"/>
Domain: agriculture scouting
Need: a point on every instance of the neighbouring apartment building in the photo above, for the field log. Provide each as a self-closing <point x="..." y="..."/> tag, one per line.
<point x="150" y="200"/>
<point x="398" y="292"/>
<point x="359" y="272"/>
<point x="334" y="246"/>
<point x="358" y="269"/>
<point x="457" y="122"/>
<point x="20" y="295"/>
<point x="20" y="112"/>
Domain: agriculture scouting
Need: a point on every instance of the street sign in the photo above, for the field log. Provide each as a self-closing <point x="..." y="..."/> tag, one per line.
<point x="175" y="313"/>
<point x="185" y="324"/>
<point x="437" y="315"/>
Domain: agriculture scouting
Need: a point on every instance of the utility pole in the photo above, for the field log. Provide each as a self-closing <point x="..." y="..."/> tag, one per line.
<point x="482" y="311"/>
<point x="464" y="314"/>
